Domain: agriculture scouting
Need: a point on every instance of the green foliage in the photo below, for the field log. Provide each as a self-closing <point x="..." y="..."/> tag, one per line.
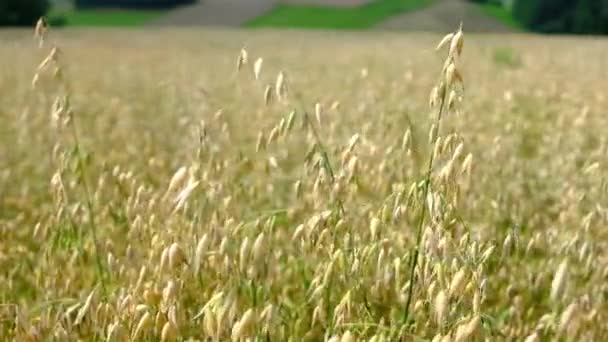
<point x="337" y="18"/>
<point x="22" y="12"/>
<point x="563" y="16"/>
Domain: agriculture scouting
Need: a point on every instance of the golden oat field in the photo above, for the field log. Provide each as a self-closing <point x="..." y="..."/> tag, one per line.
<point x="211" y="185"/>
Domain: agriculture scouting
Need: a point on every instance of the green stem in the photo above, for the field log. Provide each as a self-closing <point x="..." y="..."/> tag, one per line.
<point x="326" y="163"/>
<point x="89" y="203"/>
<point x="427" y="186"/>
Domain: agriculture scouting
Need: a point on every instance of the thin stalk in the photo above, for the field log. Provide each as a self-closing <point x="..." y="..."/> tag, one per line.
<point x="326" y="163"/>
<point x="319" y="144"/>
<point x="427" y="186"/>
<point x="89" y="203"/>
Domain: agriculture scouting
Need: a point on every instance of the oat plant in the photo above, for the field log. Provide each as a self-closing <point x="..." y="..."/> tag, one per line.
<point x="443" y="95"/>
<point x="63" y="117"/>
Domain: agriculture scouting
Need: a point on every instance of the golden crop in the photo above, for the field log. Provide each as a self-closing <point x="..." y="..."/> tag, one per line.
<point x="267" y="185"/>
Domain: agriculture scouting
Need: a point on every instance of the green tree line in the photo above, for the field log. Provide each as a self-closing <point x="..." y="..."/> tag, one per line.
<point x="22" y="12"/>
<point x="27" y="12"/>
<point x="559" y="16"/>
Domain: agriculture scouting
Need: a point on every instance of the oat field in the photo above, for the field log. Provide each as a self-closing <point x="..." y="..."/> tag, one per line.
<point x="162" y="185"/>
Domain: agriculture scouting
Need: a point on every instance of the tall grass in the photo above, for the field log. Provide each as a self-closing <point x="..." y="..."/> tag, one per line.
<point x="296" y="201"/>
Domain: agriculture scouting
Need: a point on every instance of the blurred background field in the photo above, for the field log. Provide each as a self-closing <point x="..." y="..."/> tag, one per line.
<point x="545" y="16"/>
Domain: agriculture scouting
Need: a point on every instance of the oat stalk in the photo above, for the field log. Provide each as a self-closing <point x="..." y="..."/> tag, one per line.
<point x="421" y="219"/>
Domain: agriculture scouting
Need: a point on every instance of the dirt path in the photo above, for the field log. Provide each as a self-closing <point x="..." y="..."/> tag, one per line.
<point x="445" y="16"/>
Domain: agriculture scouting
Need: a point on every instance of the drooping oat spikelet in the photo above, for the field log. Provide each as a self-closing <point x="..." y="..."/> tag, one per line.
<point x="257" y="68"/>
<point x="446" y="173"/>
<point x="143" y="326"/>
<point x="267" y="315"/>
<point x="433" y="132"/>
<point x="457" y="43"/>
<point x="169" y="332"/>
<point x="437" y="338"/>
<point x="178" y="179"/>
<point x="352" y="142"/>
<point x="242" y="59"/>
<point x="532" y="338"/>
<point x="280" y="86"/>
<point x="290" y="121"/>
<point x="319" y="313"/>
<point x="244" y="253"/>
<point x="164" y="260"/>
<point x="467" y="164"/>
<point x="457" y="284"/>
<point x="41" y="30"/>
<point x="591" y="168"/>
<point x="201" y="249"/>
<point x="477" y="303"/>
<point x="466" y="331"/>
<point x="447" y="38"/>
<point x="170" y="292"/>
<point x="259" y="249"/>
<point x="458" y="151"/>
<point x="452" y="99"/>
<point x="159" y="322"/>
<point x="347" y="337"/>
<point x="209" y="322"/>
<point x="85" y="308"/>
<point x="261" y="142"/>
<point x="243" y="327"/>
<point x="176" y="256"/>
<point x="273" y="136"/>
<point x="184" y="195"/>
<point x="268" y="95"/>
<point x="452" y="75"/>
<point x="406" y="140"/>
<point x="52" y="58"/>
<point x="299" y="231"/>
<point x="559" y="281"/>
<point x="35" y="80"/>
<point x="318" y="112"/>
<point x="373" y="227"/>
<point x="297" y="189"/>
<point x="434" y="97"/>
<point x="441" y="307"/>
<point x="115" y="332"/>
<point x="566" y="320"/>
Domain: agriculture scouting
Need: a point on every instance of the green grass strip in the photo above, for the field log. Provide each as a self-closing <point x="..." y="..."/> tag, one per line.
<point x="359" y="17"/>
<point x="120" y="18"/>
